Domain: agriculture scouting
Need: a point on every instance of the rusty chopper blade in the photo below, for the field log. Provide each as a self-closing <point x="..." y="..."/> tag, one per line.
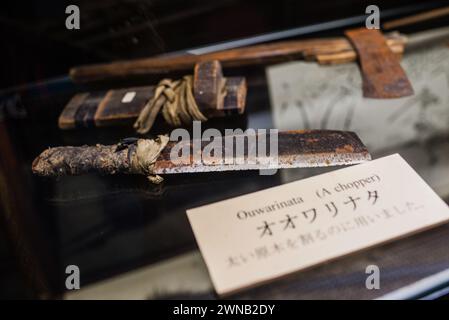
<point x="295" y="149"/>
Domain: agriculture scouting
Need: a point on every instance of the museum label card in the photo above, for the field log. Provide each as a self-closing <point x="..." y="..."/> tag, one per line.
<point x="268" y="234"/>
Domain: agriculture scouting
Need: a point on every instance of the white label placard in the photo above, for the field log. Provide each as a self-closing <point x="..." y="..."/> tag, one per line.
<point x="268" y="234"/>
<point x="128" y="97"/>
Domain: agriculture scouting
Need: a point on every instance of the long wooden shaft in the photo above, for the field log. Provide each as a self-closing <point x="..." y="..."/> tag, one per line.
<point x="421" y="17"/>
<point x="265" y="53"/>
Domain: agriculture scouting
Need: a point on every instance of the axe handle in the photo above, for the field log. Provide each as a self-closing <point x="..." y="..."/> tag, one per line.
<point x="257" y="54"/>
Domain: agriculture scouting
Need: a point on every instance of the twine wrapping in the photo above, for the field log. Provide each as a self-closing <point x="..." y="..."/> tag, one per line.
<point x="145" y="156"/>
<point x="135" y="157"/>
<point x="177" y="102"/>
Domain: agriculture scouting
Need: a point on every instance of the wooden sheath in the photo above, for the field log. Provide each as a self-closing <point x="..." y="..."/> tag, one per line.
<point x="382" y="74"/>
<point x="216" y="96"/>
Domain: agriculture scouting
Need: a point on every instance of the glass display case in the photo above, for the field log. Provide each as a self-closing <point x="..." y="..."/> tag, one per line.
<point x="131" y="239"/>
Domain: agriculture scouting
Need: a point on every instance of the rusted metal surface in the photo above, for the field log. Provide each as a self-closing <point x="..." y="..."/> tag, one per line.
<point x="383" y="76"/>
<point x="295" y="149"/>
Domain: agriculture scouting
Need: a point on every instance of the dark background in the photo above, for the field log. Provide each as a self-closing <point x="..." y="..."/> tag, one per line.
<point x="36" y="44"/>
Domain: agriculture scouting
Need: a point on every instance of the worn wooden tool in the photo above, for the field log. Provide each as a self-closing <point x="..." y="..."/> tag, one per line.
<point x="296" y="149"/>
<point x="215" y="95"/>
<point x="383" y="76"/>
<point x="416" y="18"/>
<point x="327" y="51"/>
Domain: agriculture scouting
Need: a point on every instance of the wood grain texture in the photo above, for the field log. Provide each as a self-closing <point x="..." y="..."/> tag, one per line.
<point x="235" y="95"/>
<point x="382" y="74"/>
<point x="417" y="18"/>
<point x="114" y="110"/>
<point x="67" y="118"/>
<point x="215" y="95"/>
<point x="208" y="85"/>
<point x="251" y="55"/>
<point x="103" y="108"/>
